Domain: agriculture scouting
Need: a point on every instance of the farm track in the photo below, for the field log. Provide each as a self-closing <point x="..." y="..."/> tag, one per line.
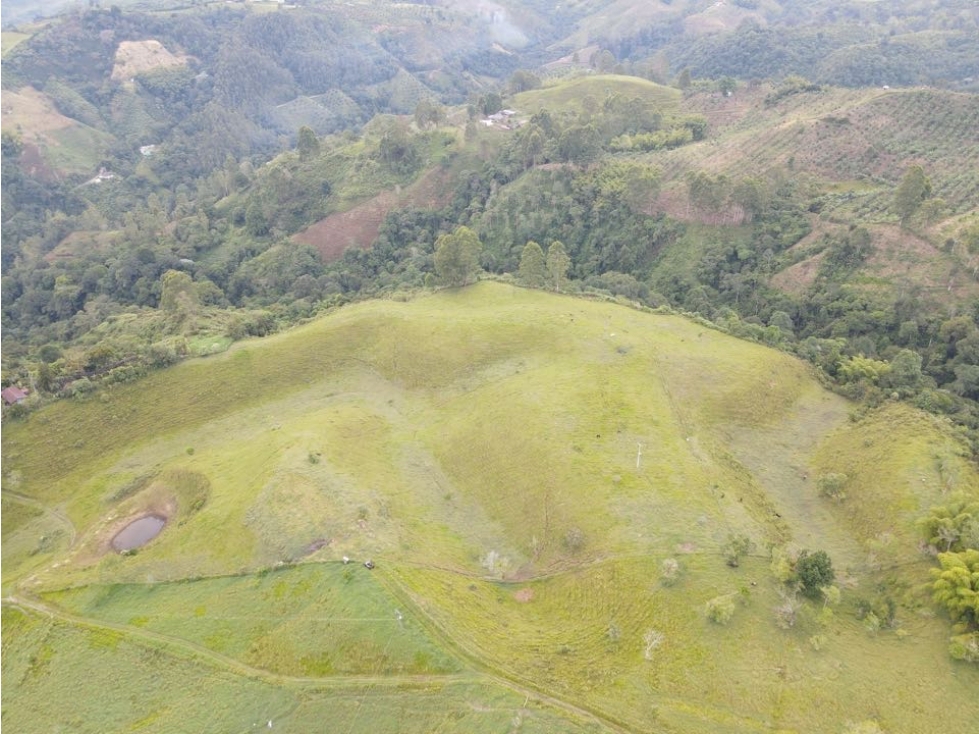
<point x="229" y="663"/>
<point x="495" y="674"/>
<point x="55" y="513"/>
<point x="482" y="671"/>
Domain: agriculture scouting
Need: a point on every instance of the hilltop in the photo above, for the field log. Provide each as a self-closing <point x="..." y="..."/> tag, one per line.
<point x="546" y="486"/>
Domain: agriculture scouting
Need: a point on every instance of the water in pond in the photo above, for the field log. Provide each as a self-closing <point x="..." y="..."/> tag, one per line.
<point x="138" y="533"/>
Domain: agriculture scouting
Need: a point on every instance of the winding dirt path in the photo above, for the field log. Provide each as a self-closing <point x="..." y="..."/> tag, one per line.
<point x="53" y="512"/>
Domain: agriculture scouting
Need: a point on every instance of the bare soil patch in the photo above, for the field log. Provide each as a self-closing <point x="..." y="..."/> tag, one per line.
<point x="134" y="57"/>
<point x="901" y="256"/>
<point x="33" y="111"/>
<point x="675" y="203"/>
<point x="795" y="279"/>
<point x="524" y="595"/>
<point x="358" y="227"/>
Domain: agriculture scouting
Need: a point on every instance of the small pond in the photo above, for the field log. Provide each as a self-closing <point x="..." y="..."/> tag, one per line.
<point x="138" y="533"/>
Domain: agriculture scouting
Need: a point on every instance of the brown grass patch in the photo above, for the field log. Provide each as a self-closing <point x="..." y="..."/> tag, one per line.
<point x="32" y="113"/>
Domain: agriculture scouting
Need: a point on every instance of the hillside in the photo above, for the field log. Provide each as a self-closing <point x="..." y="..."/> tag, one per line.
<point x="546" y="486"/>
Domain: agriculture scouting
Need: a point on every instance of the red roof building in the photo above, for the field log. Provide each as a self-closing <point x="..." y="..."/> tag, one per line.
<point x="13" y="394"/>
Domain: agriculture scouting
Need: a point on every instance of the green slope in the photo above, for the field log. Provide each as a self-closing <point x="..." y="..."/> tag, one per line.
<point x="519" y="465"/>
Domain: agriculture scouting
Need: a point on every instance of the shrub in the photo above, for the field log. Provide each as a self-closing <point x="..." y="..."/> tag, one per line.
<point x="720" y="609"/>
<point x="833" y="486"/>
<point x="735" y="548"/>
<point x="652" y="640"/>
<point x="669" y="571"/>
<point x="965" y="647"/>
<point x="785" y="613"/>
<point x="574" y="540"/>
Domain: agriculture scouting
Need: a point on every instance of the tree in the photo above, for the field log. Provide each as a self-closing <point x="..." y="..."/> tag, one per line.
<point x="523" y="80"/>
<point x="531" y="272"/>
<point x="428" y="113"/>
<point x="814" y="570"/>
<point x="905" y="370"/>
<point x="911" y="193"/>
<point x="178" y="292"/>
<point x="750" y="195"/>
<point x="256" y="222"/>
<point x="953" y="526"/>
<point x="558" y="264"/>
<point x="735" y="548"/>
<point x="833" y="485"/>
<point x="956" y="586"/>
<point x="423" y="113"/>
<point x="491" y="103"/>
<point x="457" y="256"/>
<point x="308" y="145"/>
<point x="579" y="144"/>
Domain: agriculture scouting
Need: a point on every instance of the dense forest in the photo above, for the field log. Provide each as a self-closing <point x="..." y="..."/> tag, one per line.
<point x="260" y="124"/>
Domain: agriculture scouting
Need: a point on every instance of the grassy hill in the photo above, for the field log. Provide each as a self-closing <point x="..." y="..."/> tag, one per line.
<point x="519" y="466"/>
<point x="568" y="95"/>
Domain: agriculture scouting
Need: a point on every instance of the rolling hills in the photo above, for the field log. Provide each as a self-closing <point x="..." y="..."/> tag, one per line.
<point x="546" y="485"/>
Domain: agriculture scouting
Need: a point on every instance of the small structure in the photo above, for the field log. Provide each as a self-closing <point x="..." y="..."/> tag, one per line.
<point x="147" y="150"/>
<point x="103" y="175"/>
<point x="369" y="565"/>
<point x="13" y="395"/>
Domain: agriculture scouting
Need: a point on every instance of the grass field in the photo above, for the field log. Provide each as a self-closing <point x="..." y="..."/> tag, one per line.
<point x="10" y="39"/>
<point x="568" y="95"/>
<point x="519" y="466"/>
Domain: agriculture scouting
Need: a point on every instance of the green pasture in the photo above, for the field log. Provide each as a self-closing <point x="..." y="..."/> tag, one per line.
<point x="60" y="676"/>
<point x="568" y="95"/>
<point x="317" y="619"/>
<point x="617" y="640"/>
<point x="519" y="465"/>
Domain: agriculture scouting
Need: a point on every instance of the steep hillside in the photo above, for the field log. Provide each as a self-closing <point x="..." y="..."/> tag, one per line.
<point x="548" y="488"/>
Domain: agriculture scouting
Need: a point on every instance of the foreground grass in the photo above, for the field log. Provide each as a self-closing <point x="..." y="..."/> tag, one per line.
<point x="519" y="465"/>
<point x="314" y="620"/>
<point x="62" y="676"/>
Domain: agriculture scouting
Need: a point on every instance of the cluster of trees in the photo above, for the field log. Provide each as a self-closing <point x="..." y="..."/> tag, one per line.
<point x="952" y="531"/>
<point x="849" y="44"/>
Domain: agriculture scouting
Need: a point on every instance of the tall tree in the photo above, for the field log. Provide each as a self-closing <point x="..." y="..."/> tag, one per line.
<point x="531" y="270"/>
<point x="558" y="264"/>
<point x="457" y="256"/>
<point x="309" y="145"/>
<point x="911" y="193"/>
